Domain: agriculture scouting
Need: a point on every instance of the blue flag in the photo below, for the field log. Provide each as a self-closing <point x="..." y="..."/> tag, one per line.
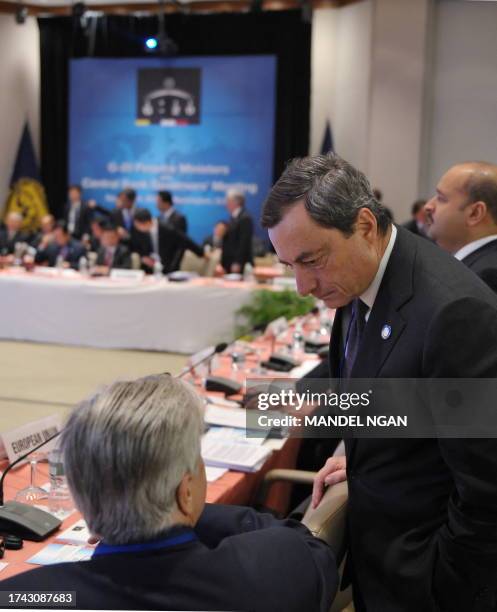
<point x="327" y="145"/>
<point x="27" y="195"/>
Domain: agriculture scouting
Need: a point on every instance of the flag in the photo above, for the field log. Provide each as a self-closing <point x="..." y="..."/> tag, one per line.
<point x="26" y="195"/>
<point x="327" y="146"/>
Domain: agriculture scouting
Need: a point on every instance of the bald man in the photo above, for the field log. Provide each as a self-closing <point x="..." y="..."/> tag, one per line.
<point x="462" y="217"/>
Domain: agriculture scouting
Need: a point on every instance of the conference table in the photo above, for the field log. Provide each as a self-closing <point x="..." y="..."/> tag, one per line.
<point x="231" y="488"/>
<point x="65" y="307"/>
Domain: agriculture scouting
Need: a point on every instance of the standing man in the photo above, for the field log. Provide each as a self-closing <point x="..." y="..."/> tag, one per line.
<point x="168" y="212"/>
<point x="122" y="215"/>
<point x="237" y="242"/>
<point x="422" y="514"/>
<point x="462" y="217"/>
<point x="77" y="214"/>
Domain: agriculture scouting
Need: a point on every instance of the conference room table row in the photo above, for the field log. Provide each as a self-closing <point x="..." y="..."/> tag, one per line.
<point x="65" y="307"/>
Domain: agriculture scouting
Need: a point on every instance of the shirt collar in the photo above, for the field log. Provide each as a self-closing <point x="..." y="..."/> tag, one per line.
<point x="236" y="212"/>
<point x="369" y="296"/>
<point x="471" y="247"/>
<point x="167" y="213"/>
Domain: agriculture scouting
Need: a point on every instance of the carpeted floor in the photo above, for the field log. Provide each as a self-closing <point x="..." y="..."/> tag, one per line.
<point x="37" y="380"/>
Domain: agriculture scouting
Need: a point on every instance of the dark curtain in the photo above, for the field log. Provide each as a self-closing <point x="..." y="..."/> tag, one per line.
<point x="281" y="33"/>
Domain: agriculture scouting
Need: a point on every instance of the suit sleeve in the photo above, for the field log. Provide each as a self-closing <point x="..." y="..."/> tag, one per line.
<point x="463" y="344"/>
<point x="280" y="559"/>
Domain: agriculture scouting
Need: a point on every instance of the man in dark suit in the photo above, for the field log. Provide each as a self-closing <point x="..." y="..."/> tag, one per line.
<point x="422" y="524"/>
<point x="64" y="249"/>
<point x="153" y="238"/>
<point x="169" y="214"/>
<point x="462" y="217"/>
<point x="417" y="224"/>
<point x="122" y="214"/>
<point x="111" y="253"/>
<point x="237" y="242"/>
<point x="77" y="214"/>
<point x="133" y="463"/>
<point x="11" y="234"/>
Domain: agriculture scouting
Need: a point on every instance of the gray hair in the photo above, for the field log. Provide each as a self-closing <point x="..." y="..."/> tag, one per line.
<point x="236" y="194"/>
<point x="125" y="452"/>
<point x="333" y="192"/>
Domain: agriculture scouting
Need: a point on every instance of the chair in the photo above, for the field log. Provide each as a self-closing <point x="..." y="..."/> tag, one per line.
<point x="192" y="263"/>
<point x="327" y="521"/>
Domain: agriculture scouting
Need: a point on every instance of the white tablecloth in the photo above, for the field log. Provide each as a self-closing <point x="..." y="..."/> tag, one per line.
<point x="124" y="314"/>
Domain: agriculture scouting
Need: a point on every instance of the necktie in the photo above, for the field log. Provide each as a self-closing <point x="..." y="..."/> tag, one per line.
<point x="353" y="341"/>
<point x="109" y="256"/>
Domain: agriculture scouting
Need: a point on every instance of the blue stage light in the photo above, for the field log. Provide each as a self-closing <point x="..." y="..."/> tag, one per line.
<point x="151" y="43"/>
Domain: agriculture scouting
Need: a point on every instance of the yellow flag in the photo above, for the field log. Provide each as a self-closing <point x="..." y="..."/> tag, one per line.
<point x="27" y="197"/>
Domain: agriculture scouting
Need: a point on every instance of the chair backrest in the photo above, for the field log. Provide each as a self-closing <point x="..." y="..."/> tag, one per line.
<point x="328" y="523"/>
<point x="191" y="263"/>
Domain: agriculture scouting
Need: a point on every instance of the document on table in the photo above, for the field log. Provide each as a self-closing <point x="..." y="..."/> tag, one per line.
<point x="234" y="435"/>
<point x="77" y="534"/>
<point x="227" y="417"/>
<point x="240" y="457"/>
<point x="214" y="473"/>
<point x="3" y="565"/>
<point x="61" y="553"/>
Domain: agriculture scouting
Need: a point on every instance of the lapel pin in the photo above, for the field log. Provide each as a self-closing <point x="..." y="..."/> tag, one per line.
<point x="386" y="332"/>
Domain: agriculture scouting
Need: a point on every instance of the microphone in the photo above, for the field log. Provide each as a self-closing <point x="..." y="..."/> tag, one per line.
<point x="27" y="522"/>
<point x="219" y="348"/>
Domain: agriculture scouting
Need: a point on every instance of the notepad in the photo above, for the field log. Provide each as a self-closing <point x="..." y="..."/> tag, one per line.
<point x="77" y="534"/>
<point x="226" y="417"/>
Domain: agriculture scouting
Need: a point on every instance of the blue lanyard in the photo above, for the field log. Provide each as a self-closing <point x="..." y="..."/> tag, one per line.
<point x="108" y="549"/>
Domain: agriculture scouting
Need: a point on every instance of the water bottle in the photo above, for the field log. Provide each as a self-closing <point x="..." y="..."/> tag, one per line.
<point x="59" y="499"/>
<point x="248" y="273"/>
<point x="83" y="266"/>
<point x="59" y="262"/>
<point x="157" y="269"/>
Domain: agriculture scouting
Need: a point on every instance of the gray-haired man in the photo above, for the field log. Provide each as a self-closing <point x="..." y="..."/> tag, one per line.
<point x="422" y="514"/>
<point x="133" y="462"/>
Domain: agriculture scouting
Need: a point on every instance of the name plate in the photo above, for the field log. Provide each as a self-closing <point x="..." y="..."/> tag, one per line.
<point x="20" y="441"/>
<point x="117" y="273"/>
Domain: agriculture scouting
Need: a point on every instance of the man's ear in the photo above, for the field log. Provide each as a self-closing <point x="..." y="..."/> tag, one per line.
<point x="476" y="212"/>
<point x="184" y="495"/>
<point x="366" y="224"/>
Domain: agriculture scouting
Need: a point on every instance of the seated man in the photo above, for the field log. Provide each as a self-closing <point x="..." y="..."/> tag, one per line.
<point x="153" y="238"/>
<point x="133" y="463"/>
<point x="112" y="254"/>
<point x="45" y="236"/>
<point x="63" y="249"/>
<point x="12" y="233"/>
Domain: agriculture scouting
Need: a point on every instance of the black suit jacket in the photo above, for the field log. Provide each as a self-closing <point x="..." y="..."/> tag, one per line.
<point x="237" y="242"/>
<point x="7" y="246"/>
<point x="49" y="255"/>
<point x="83" y="219"/>
<point x="121" y="259"/>
<point x="172" y="244"/>
<point x="177" y="220"/>
<point x="420" y="524"/>
<point x="242" y="561"/>
<point x="483" y="262"/>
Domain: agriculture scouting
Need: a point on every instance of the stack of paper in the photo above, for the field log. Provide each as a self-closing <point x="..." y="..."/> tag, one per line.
<point x="77" y="534"/>
<point x="240" y="457"/>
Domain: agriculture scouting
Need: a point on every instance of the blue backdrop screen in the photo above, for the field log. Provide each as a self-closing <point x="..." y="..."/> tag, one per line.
<point x="194" y="126"/>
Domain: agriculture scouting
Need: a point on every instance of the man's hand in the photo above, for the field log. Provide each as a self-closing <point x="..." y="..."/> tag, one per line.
<point x="333" y="472"/>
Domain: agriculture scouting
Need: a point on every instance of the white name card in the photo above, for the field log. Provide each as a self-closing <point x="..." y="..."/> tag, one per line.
<point x="118" y="274"/>
<point x="20" y="441"/>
